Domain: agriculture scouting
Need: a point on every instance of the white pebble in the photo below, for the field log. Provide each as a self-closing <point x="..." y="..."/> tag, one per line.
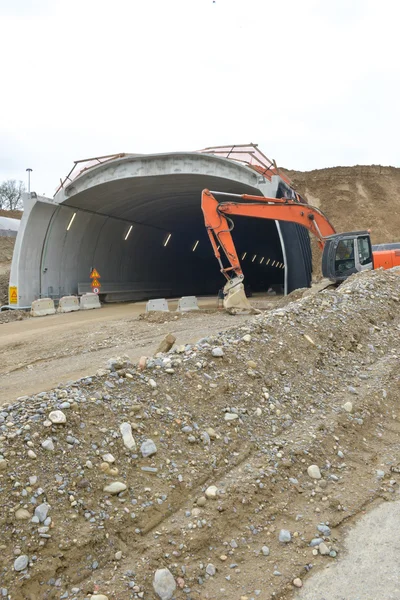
<point x="57" y="417"/>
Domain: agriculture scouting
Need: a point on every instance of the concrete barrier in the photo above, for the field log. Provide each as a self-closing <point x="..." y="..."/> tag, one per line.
<point x="42" y="307"/>
<point x="160" y="304"/>
<point x="68" y="304"/>
<point x="89" y="301"/>
<point x="187" y="303"/>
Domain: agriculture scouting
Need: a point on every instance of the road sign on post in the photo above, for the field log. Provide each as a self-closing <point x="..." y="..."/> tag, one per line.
<point x="96" y="285"/>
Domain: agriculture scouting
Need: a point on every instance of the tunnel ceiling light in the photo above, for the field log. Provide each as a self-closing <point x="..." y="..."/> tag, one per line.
<point x="273" y="263"/>
<point x="195" y="246"/>
<point x="268" y="261"/>
<point x="262" y="260"/>
<point x="129" y="231"/>
<point x="254" y="258"/>
<point x="71" y="221"/>
<point x="282" y="266"/>
<point x="167" y="239"/>
<point x="244" y="255"/>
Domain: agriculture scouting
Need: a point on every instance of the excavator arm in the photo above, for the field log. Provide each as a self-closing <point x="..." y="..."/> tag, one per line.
<point x="219" y="227"/>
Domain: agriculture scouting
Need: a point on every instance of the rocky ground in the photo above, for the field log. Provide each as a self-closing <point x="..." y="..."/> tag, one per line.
<point x="221" y="469"/>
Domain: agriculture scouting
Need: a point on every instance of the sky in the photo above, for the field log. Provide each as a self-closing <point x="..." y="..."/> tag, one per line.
<point x="316" y="83"/>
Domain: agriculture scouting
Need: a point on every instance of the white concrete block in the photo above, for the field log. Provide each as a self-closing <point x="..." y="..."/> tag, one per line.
<point x="160" y="304"/>
<point x="89" y="301"/>
<point x="42" y="307"/>
<point x="68" y="304"/>
<point x="187" y="303"/>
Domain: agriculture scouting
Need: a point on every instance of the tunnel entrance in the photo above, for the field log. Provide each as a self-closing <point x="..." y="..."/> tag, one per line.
<point x="137" y="219"/>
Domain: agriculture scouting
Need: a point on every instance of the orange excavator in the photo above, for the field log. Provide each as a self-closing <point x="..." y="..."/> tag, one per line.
<point x="343" y="253"/>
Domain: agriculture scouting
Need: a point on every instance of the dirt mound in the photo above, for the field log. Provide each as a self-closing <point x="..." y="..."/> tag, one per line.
<point x="4" y="279"/>
<point x="360" y="197"/>
<point x="6" y="250"/>
<point x="216" y="484"/>
<point x="11" y="214"/>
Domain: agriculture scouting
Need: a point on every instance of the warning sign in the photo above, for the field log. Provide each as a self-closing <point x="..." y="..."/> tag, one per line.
<point x="96" y="283"/>
<point x="95" y="290"/>
<point x="95" y="274"/>
<point x="13" y="294"/>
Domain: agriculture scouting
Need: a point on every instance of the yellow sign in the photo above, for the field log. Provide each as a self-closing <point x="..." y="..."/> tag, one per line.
<point x="96" y="283"/>
<point x="94" y="274"/>
<point x="13" y="294"/>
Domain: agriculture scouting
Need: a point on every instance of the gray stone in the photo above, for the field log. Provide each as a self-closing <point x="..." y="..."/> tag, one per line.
<point x="164" y="584"/>
<point x="217" y="352"/>
<point x="148" y="448"/>
<point x="48" y="445"/>
<point x="285" y="536"/>
<point x="41" y="512"/>
<point x="21" y="563"/>
<point x="211" y="570"/>
<point x="324" y="529"/>
<point x="265" y="550"/>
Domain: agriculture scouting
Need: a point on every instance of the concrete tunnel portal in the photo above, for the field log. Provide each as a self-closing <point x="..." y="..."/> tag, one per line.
<point x="137" y="219"/>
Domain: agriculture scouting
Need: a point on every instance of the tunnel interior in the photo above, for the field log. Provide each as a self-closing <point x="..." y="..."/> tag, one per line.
<point x="154" y="243"/>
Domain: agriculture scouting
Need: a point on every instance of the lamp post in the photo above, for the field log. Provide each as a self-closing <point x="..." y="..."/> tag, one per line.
<point x="29" y="179"/>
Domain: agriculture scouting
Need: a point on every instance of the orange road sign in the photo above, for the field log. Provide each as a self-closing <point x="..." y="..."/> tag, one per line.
<point x="96" y="283"/>
<point x="94" y="274"/>
<point x="13" y="294"/>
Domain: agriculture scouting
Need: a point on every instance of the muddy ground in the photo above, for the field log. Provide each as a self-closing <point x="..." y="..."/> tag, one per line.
<point x="248" y="411"/>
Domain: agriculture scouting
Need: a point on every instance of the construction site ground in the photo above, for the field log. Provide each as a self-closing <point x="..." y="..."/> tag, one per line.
<point x="217" y="486"/>
<point x="39" y="353"/>
<point x="234" y="415"/>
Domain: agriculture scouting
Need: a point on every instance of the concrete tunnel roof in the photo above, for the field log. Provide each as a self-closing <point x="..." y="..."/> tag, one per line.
<point x="155" y="194"/>
<point x="160" y="189"/>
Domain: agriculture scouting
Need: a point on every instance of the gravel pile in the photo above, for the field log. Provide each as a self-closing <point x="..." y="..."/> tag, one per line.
<point x="222" y="469"/>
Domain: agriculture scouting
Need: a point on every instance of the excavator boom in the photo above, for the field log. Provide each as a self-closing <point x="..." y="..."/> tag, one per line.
<point x="219" y="227"/>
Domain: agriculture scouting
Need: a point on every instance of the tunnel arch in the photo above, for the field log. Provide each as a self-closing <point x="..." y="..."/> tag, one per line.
<point x="116" y="216"/>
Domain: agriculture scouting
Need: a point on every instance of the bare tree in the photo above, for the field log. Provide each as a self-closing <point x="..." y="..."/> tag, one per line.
<point x="11" y="194"/>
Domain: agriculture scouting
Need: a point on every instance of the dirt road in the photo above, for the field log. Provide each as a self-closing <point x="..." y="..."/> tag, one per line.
<point x="37" y="354"/>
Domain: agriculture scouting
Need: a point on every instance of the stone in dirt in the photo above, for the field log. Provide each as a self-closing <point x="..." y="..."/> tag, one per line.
<point x="148" y="448"/>
<point x="167" y="343"/>
<point x="285" y="536"/>
<point x="348" y="407"/>
<point x="22" y="514"/>
<point x="126" y="432"/>
<point x="314" y="472"/>
<point x="115" y="487"/>
<point x="21" y="563"/>
<point x="212" y="492"/>
<point x="217" y="352"/>
<point x="57" y="417"/>
<point x="164" y="584"/>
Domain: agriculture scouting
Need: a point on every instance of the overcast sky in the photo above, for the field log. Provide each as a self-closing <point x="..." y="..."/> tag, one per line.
<point x="314" y="82"/>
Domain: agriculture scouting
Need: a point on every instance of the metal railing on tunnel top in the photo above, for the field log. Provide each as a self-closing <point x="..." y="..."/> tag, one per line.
<point x="88" y="163"/>
<point x="250" y="155"/>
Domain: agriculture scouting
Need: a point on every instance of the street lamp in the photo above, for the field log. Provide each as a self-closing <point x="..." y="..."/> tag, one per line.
<point x="29" y="179"/>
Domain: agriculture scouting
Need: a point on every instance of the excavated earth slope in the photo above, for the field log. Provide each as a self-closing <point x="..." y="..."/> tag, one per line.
<point x="247" y="447"/>
<point x="360" y="197"/>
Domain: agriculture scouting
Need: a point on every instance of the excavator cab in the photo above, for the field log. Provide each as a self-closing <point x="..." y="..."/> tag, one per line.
<point x="345" y="254"/>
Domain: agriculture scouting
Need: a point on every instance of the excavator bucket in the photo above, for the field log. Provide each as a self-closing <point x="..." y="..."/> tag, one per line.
<point x="235" y="300"/>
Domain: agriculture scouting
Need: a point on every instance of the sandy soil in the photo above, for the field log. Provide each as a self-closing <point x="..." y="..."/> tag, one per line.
<point x="36" y="354"/>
